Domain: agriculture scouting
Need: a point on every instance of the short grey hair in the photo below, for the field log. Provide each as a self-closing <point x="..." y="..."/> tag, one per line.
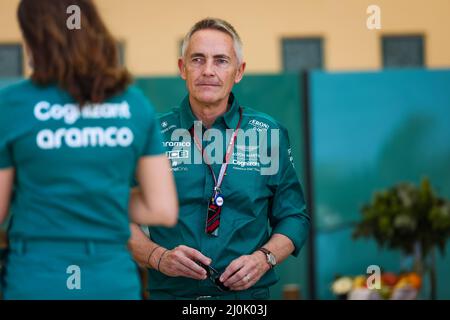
<point x="215" y="24"/>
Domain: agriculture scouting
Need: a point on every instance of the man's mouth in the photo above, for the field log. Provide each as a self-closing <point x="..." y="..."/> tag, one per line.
<point x="208" y="85"/>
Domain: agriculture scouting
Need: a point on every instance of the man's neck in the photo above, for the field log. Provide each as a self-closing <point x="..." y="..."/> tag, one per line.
<point x="208" y="114"/>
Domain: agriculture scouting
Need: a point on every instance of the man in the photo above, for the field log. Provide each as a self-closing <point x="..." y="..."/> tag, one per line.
<point x="236" y="221"/>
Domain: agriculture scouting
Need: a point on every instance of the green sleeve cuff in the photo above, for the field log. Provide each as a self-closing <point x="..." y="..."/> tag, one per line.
<point x="296" y="228"/>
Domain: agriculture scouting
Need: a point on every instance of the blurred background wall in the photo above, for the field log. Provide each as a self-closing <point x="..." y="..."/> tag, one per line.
<point x="370" y="112"/>
<point x="150" y="31"/>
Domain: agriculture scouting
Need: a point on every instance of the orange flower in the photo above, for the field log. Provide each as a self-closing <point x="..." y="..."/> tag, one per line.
<point x="415" y="280"/>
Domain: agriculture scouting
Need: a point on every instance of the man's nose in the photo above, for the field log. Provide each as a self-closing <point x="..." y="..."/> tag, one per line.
<point x="208" y="69"/>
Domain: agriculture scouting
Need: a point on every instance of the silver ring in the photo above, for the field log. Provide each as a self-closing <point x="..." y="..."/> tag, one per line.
<point x="247" y="278"/>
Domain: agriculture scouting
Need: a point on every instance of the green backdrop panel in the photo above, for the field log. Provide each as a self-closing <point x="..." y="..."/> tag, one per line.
<point x="370" y="131"/>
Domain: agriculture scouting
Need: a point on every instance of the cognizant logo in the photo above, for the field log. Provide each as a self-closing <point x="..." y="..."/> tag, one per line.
<point x="245" y="163"/>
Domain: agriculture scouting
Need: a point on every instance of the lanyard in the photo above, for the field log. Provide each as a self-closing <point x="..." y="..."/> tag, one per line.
<point x="218" y="181"/>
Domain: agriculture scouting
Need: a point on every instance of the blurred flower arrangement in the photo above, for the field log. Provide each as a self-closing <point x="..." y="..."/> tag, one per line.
<point x="404" y="286"/>
<point x="412" y="219"/>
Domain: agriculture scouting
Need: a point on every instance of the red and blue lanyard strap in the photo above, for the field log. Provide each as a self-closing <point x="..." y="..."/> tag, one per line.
<point x="215" y="203"/>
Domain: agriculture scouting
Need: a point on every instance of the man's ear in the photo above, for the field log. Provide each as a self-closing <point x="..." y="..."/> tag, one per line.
<point x="182" y="68"/>
<point x="240" y="73"/>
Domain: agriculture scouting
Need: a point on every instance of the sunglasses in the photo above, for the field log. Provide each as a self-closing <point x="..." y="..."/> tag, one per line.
<point x="213" y="276"/>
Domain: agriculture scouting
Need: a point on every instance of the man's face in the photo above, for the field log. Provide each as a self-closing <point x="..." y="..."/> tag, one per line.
<point x="210" y="67"/>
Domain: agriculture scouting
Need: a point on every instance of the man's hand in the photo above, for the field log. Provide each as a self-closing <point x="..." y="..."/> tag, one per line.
<point x="180" y="262"/>
<point x="245" y="271"/>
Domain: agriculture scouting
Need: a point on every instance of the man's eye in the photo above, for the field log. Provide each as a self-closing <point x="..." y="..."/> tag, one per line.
<point x="197" y="60"/>
<point x="222" y="61"/>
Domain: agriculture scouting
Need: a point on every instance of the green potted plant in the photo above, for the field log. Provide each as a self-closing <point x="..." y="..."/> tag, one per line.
<point x="410" y="218"/>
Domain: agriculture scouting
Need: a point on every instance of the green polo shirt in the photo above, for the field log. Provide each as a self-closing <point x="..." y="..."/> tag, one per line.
<point x="73" y="168"/>
<point x="255" y="205"/>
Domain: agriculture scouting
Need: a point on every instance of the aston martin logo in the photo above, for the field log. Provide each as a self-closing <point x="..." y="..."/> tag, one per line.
<point x="244" y="148"/>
